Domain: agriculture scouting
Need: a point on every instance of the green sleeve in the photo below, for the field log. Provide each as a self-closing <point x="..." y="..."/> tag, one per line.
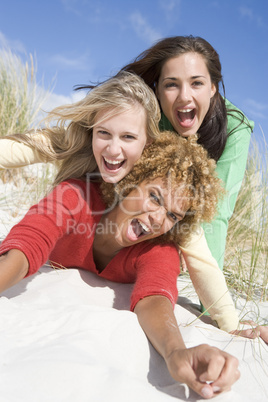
<point x="231" y="169"/>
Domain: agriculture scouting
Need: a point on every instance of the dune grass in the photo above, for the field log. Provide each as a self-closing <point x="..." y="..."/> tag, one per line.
<point x="246" y="259"/>
<point x="20" y="96"/>
<point x="21" y="99"/>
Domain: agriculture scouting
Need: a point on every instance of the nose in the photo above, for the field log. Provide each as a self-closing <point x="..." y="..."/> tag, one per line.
<point x="157" y="216"/>
<point x="185" y="93"/>
<point x="114" y="147"/>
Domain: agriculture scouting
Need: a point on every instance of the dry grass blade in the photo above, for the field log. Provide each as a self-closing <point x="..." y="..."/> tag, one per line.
<point x="246" y="261"/>
<point x="20" y="96"/>
<point x="20" y="103"/>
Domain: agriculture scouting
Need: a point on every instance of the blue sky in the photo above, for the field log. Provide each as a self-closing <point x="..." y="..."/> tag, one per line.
<point x="78" y="41"/>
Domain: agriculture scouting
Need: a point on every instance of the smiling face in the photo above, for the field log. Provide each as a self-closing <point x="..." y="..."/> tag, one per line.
<point x="118" y="142"/>
<point x="184" y="91"/>
<point x="149" y="211"/>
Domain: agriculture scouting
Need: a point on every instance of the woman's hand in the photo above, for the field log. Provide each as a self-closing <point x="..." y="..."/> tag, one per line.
<point x="252" y="331"/>
<point x="207" y="370"/>
<point x="183" y="265"/>
<point x="13" y="268"/>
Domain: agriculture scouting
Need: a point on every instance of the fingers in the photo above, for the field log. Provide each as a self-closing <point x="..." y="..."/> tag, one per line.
<point x="252" y="331"/>
<point x="208" y="370"/>
<point x="228" y="376"/>
<point x="263" y="333"/>
<point x="183" y="265"/>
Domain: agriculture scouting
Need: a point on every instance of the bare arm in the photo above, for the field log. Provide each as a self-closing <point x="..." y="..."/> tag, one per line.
<point x="193" y="366"/>
<point x="13" y="268"/>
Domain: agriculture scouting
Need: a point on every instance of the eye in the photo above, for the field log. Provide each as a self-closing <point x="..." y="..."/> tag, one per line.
<point x="173" y="217"/>
<point x="103" y="133"/>
<point x="198" y="83"/>
<point x="155" y="198"/>
<point x="129" y="137"/>
<point x="170" y="85"/>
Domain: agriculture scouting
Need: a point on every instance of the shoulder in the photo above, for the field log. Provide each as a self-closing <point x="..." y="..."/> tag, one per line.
<point x="237" y="120"/>
<point x="151" y="253"/>
<point x="80" y="186"/>
<point x="74" y="191"/>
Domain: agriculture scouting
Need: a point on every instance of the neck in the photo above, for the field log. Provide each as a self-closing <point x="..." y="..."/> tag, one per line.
<point x="105" y="245"/>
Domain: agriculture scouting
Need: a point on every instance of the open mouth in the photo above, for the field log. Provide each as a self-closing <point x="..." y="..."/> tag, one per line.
<point x="186" y="116"/>
<point x="138" y="229"/>
<point x="113" y="165"/>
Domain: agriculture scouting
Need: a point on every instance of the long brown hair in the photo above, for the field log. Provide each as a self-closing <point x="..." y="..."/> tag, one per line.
<point x="212" y="133"/>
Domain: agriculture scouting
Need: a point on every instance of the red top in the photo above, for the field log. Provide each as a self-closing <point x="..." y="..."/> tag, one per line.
<point x="61" y="228"/>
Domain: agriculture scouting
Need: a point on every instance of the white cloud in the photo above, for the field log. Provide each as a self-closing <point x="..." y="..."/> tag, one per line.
<point x="143" y="29"/>
<point x="257" y="109"/>
<point x="63" y="62"/>
<point x="72" y="6"/>
<point x="53" y="100"/>
<point x="90" y="10"/>
<point x="50" y="100"/>
<point x="257" y="105"/>
<point x="169" y="6"/>
<point x="248" y="13"/>
<point x="14" y="45"/>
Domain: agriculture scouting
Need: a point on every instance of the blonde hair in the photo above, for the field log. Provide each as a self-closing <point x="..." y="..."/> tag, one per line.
<point x="182" y="162"/>
<point x="70" y="137"/>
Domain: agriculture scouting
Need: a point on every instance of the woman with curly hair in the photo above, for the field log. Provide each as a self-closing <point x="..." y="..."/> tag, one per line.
<point x="113" y="230"/>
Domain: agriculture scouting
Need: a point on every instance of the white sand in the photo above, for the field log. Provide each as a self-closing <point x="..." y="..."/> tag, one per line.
<point x="68" y="336"/>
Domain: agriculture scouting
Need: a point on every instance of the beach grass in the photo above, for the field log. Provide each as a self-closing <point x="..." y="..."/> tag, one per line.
<point x="246" y="258"/>
<point x="21" y="100"/>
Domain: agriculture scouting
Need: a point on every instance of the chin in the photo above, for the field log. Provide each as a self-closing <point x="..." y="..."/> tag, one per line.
<point x="110" y="179"/>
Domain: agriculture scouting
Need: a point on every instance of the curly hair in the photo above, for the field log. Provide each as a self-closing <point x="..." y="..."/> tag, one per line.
<point x="69" y="140"/>
<point x="183" y="162"/>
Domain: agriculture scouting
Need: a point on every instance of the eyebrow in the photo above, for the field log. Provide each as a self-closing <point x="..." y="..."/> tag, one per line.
<point x="194" y="77"/>
<point x="98" y="127"/>
<point x="178" y="214"/>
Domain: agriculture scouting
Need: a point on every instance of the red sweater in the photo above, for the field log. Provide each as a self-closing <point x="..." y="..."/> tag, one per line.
<point x="61" y="228"/>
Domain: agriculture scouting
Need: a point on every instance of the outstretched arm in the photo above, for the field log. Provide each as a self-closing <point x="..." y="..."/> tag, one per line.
<point x="13" y="268"/>
<point x="207" y="370"/>
<point x="14" y="154"/>
<point x="209" y="282"/>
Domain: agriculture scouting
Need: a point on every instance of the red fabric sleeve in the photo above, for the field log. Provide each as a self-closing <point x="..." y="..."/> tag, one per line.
<point x="158" y="267"/>
<point x="38" y="232"/>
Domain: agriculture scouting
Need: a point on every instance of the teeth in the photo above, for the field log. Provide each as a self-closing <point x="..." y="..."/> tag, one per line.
<point x="113" y="162"/>
<point x="144" y="227"/>
<point x="185" y="110"/>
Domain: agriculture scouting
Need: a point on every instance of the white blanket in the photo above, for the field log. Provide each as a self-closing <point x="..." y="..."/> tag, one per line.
<point x="67" y="335"/>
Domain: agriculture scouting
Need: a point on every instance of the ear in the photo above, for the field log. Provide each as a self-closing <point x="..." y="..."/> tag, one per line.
<point x="213" y="90"/>
<point x="148" y="142"/>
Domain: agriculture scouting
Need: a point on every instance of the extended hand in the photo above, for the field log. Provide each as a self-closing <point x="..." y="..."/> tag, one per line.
<point x="252" y="331"/>
<point x="207" y="370"/>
